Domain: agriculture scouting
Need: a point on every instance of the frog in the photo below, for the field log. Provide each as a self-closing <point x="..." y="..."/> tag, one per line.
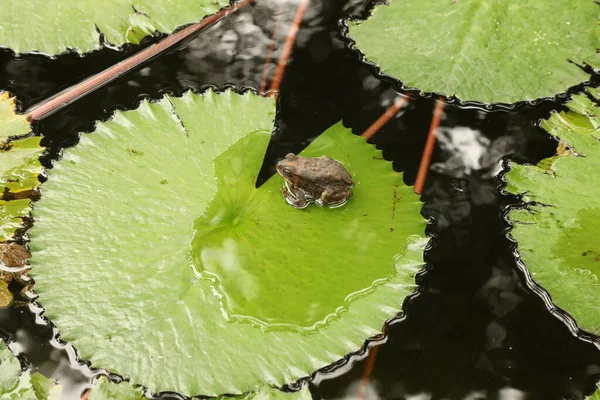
<point x="320" y="180"/>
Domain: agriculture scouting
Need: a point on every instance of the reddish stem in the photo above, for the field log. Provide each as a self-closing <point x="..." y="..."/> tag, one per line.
<point x="429" y="144"/>
<point x="364" y="380"/>
<point x="287" y="47"/>
<point x="86" y="394"/>
<point x="75" y="92"/>
<point x="263" y="81"/>
<point x="387" y="115"/>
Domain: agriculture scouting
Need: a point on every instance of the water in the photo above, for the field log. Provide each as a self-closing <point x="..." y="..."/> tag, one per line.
<point x="475" y="330"/>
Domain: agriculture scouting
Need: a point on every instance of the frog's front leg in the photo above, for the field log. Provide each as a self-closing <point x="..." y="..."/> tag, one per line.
<point x="335" y="196"/>
<point x="294" y="197"/>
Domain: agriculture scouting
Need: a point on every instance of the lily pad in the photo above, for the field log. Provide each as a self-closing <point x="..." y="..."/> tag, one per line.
<point x="557" y="234"/>
<point x="485" y="50"/>
<point x="51" y="28"/>
<point x="19" y="168"/>
<point x="158" y="259"/>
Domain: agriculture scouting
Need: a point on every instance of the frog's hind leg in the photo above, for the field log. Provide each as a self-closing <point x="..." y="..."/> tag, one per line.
<point x="335" y="198"/>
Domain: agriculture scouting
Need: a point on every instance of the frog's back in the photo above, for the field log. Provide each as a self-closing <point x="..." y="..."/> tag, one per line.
<point x="335" y="170"/>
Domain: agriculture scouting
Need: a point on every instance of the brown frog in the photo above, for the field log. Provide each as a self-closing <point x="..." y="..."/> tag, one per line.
<point x="321" y="180"/>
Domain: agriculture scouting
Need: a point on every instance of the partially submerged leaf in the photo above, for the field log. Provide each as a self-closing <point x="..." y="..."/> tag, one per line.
<point x="18" y="385"/>
<point x="10" y="370"/>
<point x="44" y="388"/>
<point x="485" y="50"/>
<point x="6" y="297"/>
<point x="11" y="216"/>
<point x="46" y="27"/>
<point x="149" y="222"/>
<point x="11" y="124"/>
<point x="19" y="168"/>
<point x="557" y="235"/>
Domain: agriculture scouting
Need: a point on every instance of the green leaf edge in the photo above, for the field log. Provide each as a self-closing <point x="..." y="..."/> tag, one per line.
<point x="349" y="24"/>
<point x="581" y="106"/>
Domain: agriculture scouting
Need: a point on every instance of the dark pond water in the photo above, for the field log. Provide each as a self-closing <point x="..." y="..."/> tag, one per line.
<point x="475" y="330"/>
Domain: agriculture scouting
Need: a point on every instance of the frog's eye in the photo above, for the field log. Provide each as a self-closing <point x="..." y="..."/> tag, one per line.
<point x="288" y="171"/>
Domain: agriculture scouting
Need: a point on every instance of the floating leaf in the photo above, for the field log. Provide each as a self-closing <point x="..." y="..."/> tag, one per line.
<point x="10" y="370"/>
<point x="484" y="50"/>
<point x="44" y="388"/>
<point x="19" y="168"/>
<point x="144" y="239"/>
<point x="50" y="28"/>
<point x="557" y="234"/>
<point x="11" y="124"/>
<point x="18" y="385"/>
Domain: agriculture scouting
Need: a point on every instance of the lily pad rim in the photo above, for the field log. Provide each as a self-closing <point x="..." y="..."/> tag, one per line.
<point x="539" y="291"/>
<point x="381" y="338"/>
<point x="105" y="45"/>
<point x="402" y="88"/>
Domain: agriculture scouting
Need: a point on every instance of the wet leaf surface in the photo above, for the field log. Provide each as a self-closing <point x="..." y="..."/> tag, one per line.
<point x="557" y="232"/>
<point x="251" y="244"/>
<point x="116" y="273"/>
<point x="19" y="168"/>
<point x="12" y="124"/>
<point x="39" y="26"/>
<point x="489" y="51"/>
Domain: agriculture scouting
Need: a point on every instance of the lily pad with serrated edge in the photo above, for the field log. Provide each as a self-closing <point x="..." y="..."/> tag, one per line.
<point x="490" y="51"/>
<point x="126" y="216"/>
<point x="52" y="28"/>
<point x="557" y="234"/>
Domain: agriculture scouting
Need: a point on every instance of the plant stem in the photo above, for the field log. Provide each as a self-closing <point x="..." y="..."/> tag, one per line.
<point x="429" y="144"/>
<point x="287" y="47"/>
<point x="400" y="102"/>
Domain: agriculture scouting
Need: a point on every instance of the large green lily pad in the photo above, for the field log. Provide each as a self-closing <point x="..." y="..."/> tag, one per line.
<point x="557" y="234"/>
<point x="157" y="258"/>
<point x="19" y="168"/>
<point x="485" y="50"/>
<point x="52" y="28"/>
